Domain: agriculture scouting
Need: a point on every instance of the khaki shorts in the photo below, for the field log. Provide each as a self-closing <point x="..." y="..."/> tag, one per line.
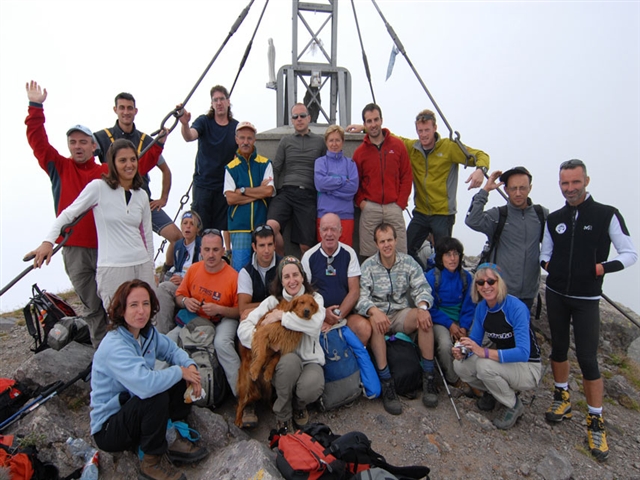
<point x="397" y="319"/>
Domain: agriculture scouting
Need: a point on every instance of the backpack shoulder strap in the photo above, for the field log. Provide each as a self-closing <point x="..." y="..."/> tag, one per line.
<point x="502" y="219"/>
<point x="437" y="277"/>
<point x="465" y="281"/>
<point x="540" y="213"/>
<point x="142" y="137"/>
<point x="110" y="135"/>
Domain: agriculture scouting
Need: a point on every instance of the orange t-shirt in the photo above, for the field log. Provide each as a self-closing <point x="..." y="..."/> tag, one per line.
<point x="220" y="287"/>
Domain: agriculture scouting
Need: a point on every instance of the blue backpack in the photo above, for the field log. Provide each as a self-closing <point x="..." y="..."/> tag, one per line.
<point x="341" y="371"/>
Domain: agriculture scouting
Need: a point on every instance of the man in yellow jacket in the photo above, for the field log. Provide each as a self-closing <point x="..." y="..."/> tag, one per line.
<point x="434" y="163"/>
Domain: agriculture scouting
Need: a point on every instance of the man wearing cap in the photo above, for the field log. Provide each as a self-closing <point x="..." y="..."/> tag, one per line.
<point x="68" y="177"/>
<point x="518" y="248"/>
<point x="297" y="196"/>
<point x="248" y="185"/>
<point x="575" y="252"/>
<point x="126" y="111"/>
<point x="215" y="133"/>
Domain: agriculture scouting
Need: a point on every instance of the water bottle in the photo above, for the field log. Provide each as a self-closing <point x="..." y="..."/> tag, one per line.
<point x="79" y="448"/>
<point x="90" y="470"/>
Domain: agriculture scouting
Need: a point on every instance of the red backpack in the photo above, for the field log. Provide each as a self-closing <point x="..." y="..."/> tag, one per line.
<point x="42" y="312"/>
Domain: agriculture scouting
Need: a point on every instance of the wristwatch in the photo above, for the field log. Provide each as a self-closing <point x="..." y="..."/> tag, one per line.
<point x="484" y="169"/>
<point x="242" y="190"/>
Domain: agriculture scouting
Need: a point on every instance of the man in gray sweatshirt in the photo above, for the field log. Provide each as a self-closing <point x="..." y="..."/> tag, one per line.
<point x="517" y="251"/>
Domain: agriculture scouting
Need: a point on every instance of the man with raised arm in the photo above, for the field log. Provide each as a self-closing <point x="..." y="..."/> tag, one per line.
<point x="69" y="176"/>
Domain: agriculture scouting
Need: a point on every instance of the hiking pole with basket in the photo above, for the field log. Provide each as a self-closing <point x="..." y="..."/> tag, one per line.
<point x="446" y="386"/>
<point x="65" y="233"/>
<point x="45" y="396"/>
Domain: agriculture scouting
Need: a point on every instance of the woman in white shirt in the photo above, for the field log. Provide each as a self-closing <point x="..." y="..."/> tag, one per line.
<point x="123" y="222"/>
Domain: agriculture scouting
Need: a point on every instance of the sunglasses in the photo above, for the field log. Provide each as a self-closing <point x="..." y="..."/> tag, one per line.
<point x="301" y="115"/>
<point x="425" y="118"/>
<point x="572" y="163"/>
<point x="260" y="228"/>
<point x="212" y="231"/>
<point x="490" y="281"/>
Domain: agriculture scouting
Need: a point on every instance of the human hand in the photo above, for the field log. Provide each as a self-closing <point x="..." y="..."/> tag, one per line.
<point x="191" y="304"/>
<point x="492" y="181"/>
<point x="176" y="279"/>
<point x="325" y="327"/>
<point x="456" y="332"/>
<point x="330" y="317"/>
<point x="163" y="135"/>
<point x="158" y="204"/>
<point x="379" y="321"/>
<point x="35" y="93"/>
<point x="355" y="128"/>
<point x="472" y="346"/>
<point x="475" y="179"/>
<point x="272" y="317"/>
<point x="424" y="319"/>
<point x="599" y="269"/>
<point x="362" y="204"/>
<point x="210" y="309"/>
<point x="41" y="254"/>
<point x="266" y="181"/>
<point x="185" y="118"/>
<point x="191" y="375"/>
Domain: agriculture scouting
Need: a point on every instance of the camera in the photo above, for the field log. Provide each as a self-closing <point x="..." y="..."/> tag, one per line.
<point x="463" y="349"/>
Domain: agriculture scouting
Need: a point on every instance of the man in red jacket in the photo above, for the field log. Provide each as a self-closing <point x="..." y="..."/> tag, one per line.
<point x="385" y="181"/>
<point x="68" y="177"/>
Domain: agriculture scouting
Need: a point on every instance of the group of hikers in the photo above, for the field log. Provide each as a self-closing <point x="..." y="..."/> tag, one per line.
<point x="227" y="264"/>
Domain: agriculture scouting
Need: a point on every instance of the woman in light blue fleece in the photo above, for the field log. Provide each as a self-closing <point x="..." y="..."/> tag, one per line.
<point x="130" y="401"/>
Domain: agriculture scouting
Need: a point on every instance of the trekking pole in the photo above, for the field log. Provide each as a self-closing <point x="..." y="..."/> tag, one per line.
<point x="45" y="396"/>
<point x="444" y="380"/>
<point x="65" y="232"/>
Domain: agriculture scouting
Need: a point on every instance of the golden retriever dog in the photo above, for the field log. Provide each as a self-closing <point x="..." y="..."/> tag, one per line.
<point x="269" y="343"/>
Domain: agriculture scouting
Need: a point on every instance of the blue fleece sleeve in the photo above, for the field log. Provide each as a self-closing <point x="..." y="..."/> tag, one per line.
<point x="477" y="330"/>
<point x="517" y="316"/>
<point x="468" y="307"/>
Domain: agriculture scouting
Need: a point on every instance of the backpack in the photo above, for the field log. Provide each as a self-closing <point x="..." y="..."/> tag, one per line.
<point x="67" y="330"/>
<point x="13" y="395"/>
<point x="341" y="371"/>
<point x="196" y="338"/>
<point x="491" y="245"/>
<point x="42" y="312"/>
<point x="403" y="359"/>
<point x="23" y="464"/>
<point x="368" y="374"/>
<point x="315" y="452"/>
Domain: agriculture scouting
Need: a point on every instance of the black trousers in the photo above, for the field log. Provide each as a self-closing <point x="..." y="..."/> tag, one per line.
<point x="143" y="422"/>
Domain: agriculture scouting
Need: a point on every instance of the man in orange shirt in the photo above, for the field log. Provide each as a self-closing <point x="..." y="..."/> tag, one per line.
<point x="209" y="290"/>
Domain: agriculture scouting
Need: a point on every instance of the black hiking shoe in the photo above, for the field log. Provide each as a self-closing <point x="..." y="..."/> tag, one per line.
<point x="390" y="398"/>
<point x="486" y="402"/>
<point x="429" y="390"/>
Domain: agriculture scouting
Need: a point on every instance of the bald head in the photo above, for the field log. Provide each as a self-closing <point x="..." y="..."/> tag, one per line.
<point x="330" y="231"/>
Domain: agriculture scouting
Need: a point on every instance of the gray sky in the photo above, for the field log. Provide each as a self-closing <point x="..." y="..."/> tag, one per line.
<point x="530" y="83"/>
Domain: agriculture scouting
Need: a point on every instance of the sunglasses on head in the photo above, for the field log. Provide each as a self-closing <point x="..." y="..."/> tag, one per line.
<point x="212" y="231"/>
<point x="260" y="228"/>
<point x="301" y="115"/>
<point x="490" y="281"/>
<point x="572" y="163"/>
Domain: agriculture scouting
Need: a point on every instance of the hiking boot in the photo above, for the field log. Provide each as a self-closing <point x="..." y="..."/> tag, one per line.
<point x="486" y="402"/>
<point x="597" y="437"/>
<point x="510" y="416"/>
<point x="429" y="390"/>
<point x="157" y="467"/>
<point x="249" y="417"/>
<point x="390" y="399"/>
<point x="184" y="451"/>
<point x="284" y="427"/>
<point x="560" y="407"/>
<point x="301" y="417"/>
<point x="465" y="388"/>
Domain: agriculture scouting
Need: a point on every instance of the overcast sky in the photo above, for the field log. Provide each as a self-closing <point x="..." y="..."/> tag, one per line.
<point x="530" y="83"/>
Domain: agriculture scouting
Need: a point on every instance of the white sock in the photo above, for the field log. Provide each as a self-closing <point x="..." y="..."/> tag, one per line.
<point x="563" y="386"/>
<point x="594" y="410"/>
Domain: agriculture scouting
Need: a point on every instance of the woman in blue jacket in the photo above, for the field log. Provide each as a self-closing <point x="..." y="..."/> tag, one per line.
<point x="511" y="363"/>
<point x="130" y="401"/>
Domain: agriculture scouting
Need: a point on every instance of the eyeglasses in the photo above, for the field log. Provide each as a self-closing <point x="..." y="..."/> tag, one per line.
<point x="301" y="115"/>
<point x="451" y="253"/>
<point x="212" y="231"/>
<point x="572" y="163"/>
<point x="518" y="189"/>
<point x="490" y="281"/>
<point x="218" y="99"/>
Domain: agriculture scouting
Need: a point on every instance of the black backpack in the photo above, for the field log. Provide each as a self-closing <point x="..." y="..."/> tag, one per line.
<point x="315" y="452"/>
<point x="403" y="358"/>
<point x="42" y="312"/>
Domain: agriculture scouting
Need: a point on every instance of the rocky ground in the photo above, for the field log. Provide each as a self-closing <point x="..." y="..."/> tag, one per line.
<point x="452" y="449"/>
